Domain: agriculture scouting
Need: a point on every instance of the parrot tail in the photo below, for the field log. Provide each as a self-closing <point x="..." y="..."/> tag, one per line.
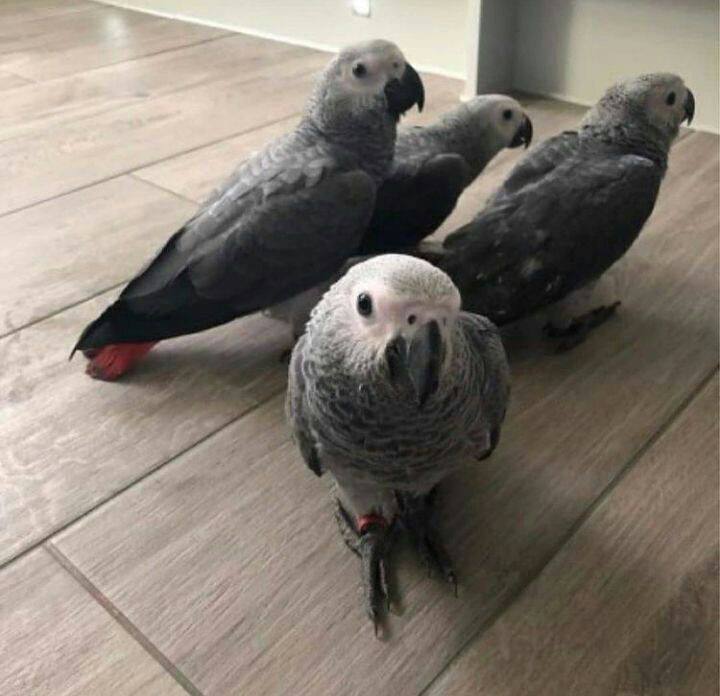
<point x="110" y="349"/>
<point x="114" y="360"/>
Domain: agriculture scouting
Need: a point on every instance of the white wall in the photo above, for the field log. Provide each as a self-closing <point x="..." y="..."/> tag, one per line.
<point x="431" y="33"/>
<point x="574" y="49"/>
<point x="571" y="49"/>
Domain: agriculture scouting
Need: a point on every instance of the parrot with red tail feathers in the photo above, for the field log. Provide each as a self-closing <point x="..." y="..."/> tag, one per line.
<point x="286" y="220"/>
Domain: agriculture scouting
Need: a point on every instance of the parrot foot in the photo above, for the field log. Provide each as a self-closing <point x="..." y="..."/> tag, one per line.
<point x="371" y="543"/>
<point x="579" y="328"/>
<point x="416" y="513"/>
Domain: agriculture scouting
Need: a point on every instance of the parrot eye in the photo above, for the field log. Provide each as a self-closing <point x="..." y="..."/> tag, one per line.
<point x="359" y="70"/>
<point x="670" y="99"/>
<point x="411" y="319"/>
<point x="507" y="114"/>
<point x="364" y="304"/>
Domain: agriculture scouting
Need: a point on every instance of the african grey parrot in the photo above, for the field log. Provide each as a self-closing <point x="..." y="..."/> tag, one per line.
<point x="286" y="220"/>
<point x="570" y="209"/>
<point x="434" y="164"/>
<point x="391" y="389"/>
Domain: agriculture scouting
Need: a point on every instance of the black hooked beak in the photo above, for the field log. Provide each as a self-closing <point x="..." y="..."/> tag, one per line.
<point x="420" y="361"/>
<point x="523" y="135"/>
<point x="403" y="93"/>
<point x="689" y="107"/>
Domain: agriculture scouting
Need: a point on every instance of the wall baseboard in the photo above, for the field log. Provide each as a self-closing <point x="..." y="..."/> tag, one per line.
<point x="294" y="41"/>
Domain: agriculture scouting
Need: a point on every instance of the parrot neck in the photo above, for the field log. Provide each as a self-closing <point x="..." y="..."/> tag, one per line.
<point x="645" y="142"/>
<point x="368" y="141"/>
<point x="459" y="135"/>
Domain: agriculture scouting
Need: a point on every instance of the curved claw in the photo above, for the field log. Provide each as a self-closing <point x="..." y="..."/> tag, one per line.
<point x="578" y="329"/>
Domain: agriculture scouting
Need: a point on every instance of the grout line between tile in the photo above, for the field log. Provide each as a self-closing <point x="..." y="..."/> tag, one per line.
<point x="144" y="165"/>
<point x="138" y="479"/>
<point x="170" y="49"/>
<point x="42" y="318"/>
<point x="574" y="528"/>
<point x="134" y="175"/>
<point x="27" y="80"/>
<point x="121" y="619"/>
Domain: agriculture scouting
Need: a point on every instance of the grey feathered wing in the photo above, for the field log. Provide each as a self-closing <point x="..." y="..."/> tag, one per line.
<point x="564" y="216"/>
<point x="417" y="196"/>
<point x="283" y="223"/>
<point x="295" y="409"/>
<point x="487" y="371"/>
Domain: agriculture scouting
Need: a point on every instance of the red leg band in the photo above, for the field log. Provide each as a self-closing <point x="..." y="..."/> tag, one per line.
<point x="364" y="521"/>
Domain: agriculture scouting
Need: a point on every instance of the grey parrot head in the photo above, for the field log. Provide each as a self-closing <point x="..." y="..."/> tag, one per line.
<point x="502" y="120"/>
<point x="366" y="78"/>
<point x="393" y="316"/>
<point x="654" y="105"/>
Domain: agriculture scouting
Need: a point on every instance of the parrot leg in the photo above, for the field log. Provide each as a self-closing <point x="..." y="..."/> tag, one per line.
<point x="416" y="513"/>
<point x="371" y="544"/>
<point x="579" y="328"/>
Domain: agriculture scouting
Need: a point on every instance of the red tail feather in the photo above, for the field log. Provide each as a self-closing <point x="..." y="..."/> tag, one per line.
<point x="114" y="360"/>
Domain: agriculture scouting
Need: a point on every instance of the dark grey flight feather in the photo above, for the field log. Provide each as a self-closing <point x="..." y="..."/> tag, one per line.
<point x="414" y="201"/>
<point x="219" y="267"/>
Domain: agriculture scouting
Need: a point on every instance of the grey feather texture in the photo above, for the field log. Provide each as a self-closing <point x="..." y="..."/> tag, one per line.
<point x="354" y="416"/>
<point x="572" y="207"/>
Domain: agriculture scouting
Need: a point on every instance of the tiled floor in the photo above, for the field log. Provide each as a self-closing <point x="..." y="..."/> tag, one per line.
<point x="161" y="535"/>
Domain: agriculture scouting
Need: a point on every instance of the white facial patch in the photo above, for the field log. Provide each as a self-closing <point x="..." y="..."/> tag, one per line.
<point x="394" y="314"/>
<point x="666" y="102"/>
<point x="508" y="116"/>
<point x="502" y="113"/>
<point x="369" y="70"/>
